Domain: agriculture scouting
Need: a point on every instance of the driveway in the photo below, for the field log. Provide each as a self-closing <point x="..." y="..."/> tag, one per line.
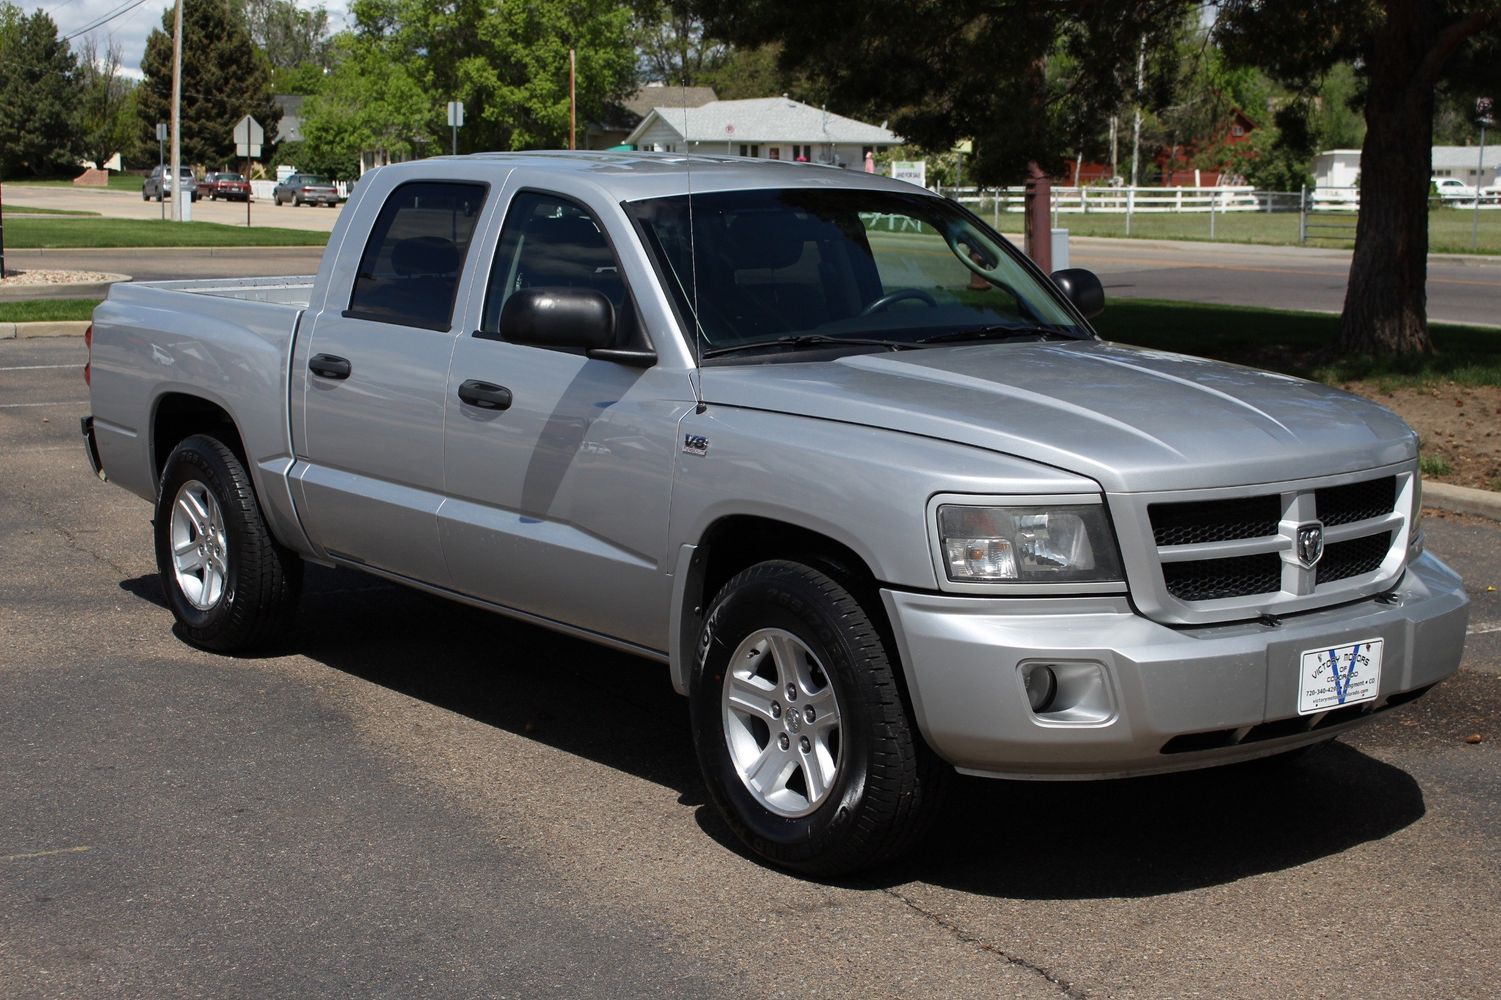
<point x="413" y="798"/>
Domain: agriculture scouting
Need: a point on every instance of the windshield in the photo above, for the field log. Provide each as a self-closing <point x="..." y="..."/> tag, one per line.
<point x="808" y="266"/>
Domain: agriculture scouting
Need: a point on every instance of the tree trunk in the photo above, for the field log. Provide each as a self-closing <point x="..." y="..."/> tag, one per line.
<point x="1386" y="300"/>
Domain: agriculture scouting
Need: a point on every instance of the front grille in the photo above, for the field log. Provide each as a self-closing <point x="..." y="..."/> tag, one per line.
<point x="1343" y="560"/>
<point x="1215" y="520"/>
<point x="1239" y="553"/>
<point x="1356" y="502"/>
<point x="1214" y="579"/>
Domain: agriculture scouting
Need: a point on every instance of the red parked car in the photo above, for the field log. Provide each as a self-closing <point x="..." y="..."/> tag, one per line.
<point x="231" y="187"/>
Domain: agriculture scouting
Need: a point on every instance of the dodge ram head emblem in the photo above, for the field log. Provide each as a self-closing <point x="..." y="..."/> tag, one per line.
<point x="1310" y="543"/>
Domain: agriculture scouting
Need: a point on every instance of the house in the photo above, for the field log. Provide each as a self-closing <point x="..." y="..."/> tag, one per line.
<point x="621" y="119"/>
<point x="1337" y="168"/>
<point x="1463" y="162"/>
<point x="767" y="128"/>
<point x="1174" y="164"/>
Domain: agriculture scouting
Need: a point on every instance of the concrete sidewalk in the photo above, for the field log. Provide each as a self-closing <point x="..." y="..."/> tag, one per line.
<point x="61" y="328"/>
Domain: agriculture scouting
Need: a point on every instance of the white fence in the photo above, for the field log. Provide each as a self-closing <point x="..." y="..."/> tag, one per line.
<point x="1120" y="200"/>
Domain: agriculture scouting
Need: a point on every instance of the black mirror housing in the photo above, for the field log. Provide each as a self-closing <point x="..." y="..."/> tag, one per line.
<point x="1083" y="289"/>
<point x="558" y="317"/>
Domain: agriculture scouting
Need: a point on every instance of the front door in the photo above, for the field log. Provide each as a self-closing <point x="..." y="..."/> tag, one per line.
<point x="557" y="505"/>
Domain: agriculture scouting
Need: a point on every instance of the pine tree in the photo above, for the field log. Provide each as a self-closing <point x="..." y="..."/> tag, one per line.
<point x="39" y="95"/>
<point x="224" y="78"/>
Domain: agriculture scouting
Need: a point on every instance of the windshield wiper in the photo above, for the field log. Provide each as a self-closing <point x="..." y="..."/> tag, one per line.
<point x="803" y="340"/>
<point x="999" y="333"/>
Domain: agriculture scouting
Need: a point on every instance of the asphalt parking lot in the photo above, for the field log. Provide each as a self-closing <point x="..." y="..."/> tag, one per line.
<point x="412" y="798"/>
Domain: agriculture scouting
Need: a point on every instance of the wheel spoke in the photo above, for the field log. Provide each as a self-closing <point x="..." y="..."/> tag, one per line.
<point x="189" y="560"/>
<point x="768" y="772"/>
<point x="190" y="510"/>
<point x="746" y="695"/>
<point x="825" y="710"/>
<point x="814" y="775"/>
<point x="787" y="653"/>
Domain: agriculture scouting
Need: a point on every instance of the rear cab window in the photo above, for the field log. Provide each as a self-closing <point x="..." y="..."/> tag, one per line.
<point x="410" y="269"/>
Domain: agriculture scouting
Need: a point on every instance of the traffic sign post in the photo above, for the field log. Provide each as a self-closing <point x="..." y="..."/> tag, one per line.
<point x="161" y="162"/>
<point x="455" y="122"/>
<point x="248" y="138"/>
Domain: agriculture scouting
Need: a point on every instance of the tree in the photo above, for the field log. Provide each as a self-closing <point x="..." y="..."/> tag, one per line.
<point x="671" y="45"/>
<point x="290" y="37"/>
<point x="1403" y="49"/>
<point x="107" y="116"/>
<point x="369" y="102"/>
<point x="224" y="78"/>
<point x="965" y="69"/>
<point x="507" y="62"/>
<point x="39" y="92"/>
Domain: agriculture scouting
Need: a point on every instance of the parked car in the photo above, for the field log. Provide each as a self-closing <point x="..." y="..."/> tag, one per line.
<point x="1452" y="189"/>
<point x="825" y="445"/>
<point x="230" y="187"/>
<point x="158" y="184"/>
<point x="305" y="189"/>
<point x="1491" y="193"/>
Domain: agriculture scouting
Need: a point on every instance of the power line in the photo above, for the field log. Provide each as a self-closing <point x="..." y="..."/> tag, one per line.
<point x="101" y="21"/>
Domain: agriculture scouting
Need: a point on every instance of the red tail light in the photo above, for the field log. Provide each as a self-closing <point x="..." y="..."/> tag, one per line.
<point x="88" y="342"/>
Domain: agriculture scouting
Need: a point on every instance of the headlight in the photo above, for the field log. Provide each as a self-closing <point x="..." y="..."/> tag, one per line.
<point x="1043" y="544"/>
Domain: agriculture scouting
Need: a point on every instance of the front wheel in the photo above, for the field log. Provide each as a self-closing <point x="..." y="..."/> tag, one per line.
<point x="229" y="583"/>
<point x="801" y="729"/>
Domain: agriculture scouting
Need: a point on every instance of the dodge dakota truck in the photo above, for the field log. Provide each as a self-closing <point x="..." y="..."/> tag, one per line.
<point x="822" y="442"/>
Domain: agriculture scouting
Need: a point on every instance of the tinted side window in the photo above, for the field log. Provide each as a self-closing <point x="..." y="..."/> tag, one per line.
<point x="550" y="242"/>
<point x="409" y="272"/>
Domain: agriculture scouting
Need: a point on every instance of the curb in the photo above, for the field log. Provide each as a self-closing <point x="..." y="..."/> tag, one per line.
<point x="60" y="328"/>
<point x="1462" y="500"/>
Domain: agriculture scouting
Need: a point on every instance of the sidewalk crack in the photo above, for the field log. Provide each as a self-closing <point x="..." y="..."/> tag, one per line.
<point x="1065" y="987"/>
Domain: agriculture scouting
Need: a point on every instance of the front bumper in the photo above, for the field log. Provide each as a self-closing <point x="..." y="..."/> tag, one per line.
<point x="1177" y="698"/>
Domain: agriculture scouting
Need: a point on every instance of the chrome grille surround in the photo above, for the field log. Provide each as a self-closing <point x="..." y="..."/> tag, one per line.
<point x="1201" y="571"/>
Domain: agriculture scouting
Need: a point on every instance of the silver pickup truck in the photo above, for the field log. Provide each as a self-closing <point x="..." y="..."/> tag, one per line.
<point x="822" y="442"/>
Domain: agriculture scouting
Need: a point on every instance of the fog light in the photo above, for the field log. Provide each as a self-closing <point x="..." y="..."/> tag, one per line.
<point x="1041" y="684"/>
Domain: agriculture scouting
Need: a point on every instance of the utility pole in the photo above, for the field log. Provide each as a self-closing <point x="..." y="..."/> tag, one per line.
<point x="1141" y="63"/>
<point x="176" y="113"/>
<point x="572" y="100"/>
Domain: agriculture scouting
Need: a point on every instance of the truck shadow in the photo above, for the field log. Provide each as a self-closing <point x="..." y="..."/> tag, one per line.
<point x="1027" y="840"/>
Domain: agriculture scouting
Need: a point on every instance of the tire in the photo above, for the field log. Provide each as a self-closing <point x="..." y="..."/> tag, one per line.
<point x="296" y="201"/>
<point x="864" y="787"/>
<point x="229" y="584"/>
<point x="144" y="195"/>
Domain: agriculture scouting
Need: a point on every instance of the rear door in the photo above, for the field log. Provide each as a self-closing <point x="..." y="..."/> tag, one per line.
<point x="374" y="367"/>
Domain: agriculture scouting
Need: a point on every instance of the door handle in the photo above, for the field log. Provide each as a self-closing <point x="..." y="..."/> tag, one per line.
<point x="329" y="366"/>
<point x="485" y="395"/>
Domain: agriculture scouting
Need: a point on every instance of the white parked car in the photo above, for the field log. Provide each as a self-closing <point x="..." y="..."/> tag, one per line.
<point x="1453" y="189"/>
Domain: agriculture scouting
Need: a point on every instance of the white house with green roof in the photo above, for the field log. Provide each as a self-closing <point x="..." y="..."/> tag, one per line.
<point x="766" y="128"/>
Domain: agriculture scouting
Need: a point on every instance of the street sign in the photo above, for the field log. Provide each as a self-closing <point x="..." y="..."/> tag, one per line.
<point x="161" y="131"/>
<point x="248" y="137"/>
<point x="455" y="114"/>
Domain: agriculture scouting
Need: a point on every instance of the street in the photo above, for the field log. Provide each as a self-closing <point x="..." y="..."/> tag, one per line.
<point x="414" y="798"/>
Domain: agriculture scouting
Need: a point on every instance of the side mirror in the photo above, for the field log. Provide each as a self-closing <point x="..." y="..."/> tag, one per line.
<point x="558" y="317"/>
<point x="1083" y="289"/>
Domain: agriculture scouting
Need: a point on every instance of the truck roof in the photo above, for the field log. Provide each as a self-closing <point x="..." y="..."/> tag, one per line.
<point x="635" y="175"/>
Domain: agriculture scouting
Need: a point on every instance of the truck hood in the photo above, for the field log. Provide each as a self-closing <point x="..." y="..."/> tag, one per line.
<point x="1133" y="420"/>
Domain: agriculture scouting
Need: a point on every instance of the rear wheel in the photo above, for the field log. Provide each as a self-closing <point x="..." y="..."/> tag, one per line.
<point x="801" y="729"/>
<point x="296" y="201"/>
<point x="229" y="584"/>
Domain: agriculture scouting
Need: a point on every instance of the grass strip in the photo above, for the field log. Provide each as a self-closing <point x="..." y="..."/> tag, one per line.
<point x="1298" y="343"/>
<point x="47" y="310"/>
<point x="32" y="234"/>
<point x="15" y="210"/>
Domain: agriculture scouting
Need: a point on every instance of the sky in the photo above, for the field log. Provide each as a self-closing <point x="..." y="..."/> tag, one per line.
<point x="133" y="23"/>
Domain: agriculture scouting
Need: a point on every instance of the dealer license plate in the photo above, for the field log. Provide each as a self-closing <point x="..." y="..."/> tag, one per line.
<point x="1338" y="676"/>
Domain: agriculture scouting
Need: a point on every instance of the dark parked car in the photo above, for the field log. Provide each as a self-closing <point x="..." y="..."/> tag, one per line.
<point x="306" y="189"/>
<point x="159" y="183"/>
<point x="231" y="187"/>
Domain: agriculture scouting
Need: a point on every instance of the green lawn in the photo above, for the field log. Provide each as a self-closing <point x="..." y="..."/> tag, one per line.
<point x="15" y="210"/>
<point x="117" y="182"/>
<point x="1448" y="228"/>
<point x="29" y="234"/>
<point x="1297" y="343"/>
<point x="47" y="310"/>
